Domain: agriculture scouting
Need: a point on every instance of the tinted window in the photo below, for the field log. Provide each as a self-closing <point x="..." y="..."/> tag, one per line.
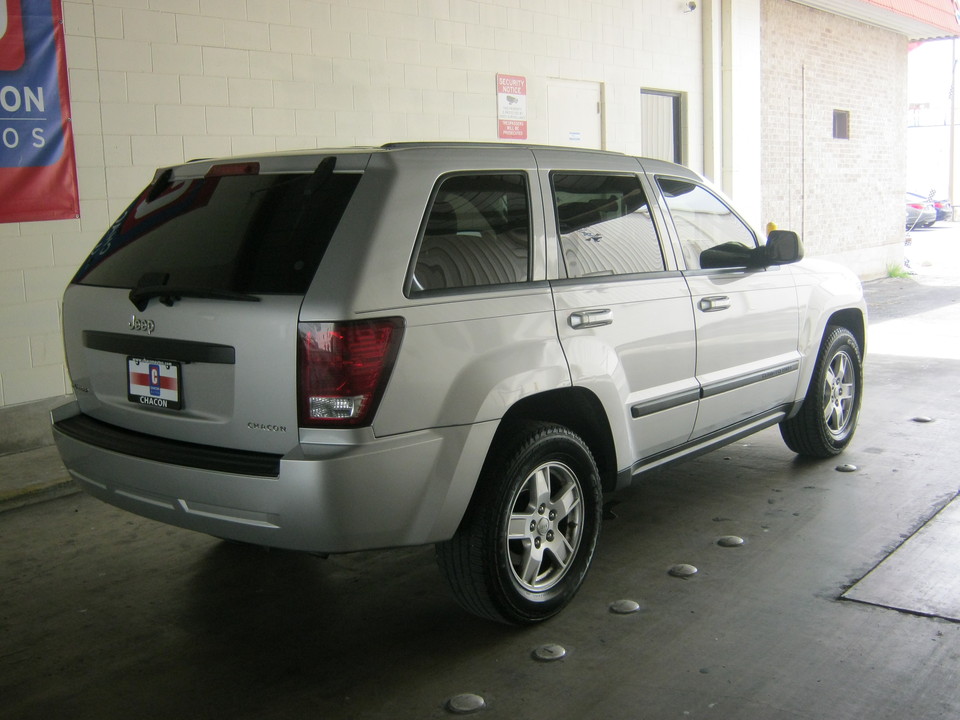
<point x="477" y="232"/>
<point x="239" y="233"/>
<point x="605" y="225"/>
<point x="704" y="223"/>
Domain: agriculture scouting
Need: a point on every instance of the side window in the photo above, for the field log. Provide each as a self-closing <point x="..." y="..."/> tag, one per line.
<point x="476" y="233"/>
<point x="707" y="227"/>
<point x="605" y="225"/>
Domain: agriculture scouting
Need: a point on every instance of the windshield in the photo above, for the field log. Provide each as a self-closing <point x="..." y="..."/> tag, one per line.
<point x="235" y="233"/>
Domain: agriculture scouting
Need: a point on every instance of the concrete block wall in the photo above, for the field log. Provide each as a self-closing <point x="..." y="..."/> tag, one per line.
<point x="157" y="82"/>
<point x="844" y="196"/>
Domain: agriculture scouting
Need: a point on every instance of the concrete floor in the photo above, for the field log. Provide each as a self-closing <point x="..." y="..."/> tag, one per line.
<point x="106" y="615"/>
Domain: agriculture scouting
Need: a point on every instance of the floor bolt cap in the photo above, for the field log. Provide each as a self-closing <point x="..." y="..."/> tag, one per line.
<point x="923" y="419"/>
<point x="465" y="704"/>
<point x="682" y="570"/>
<point x="624" y="607"/>
<point x="549" y="653"/>
<point x="847" y="468"/>
<point x="730" y="541"/>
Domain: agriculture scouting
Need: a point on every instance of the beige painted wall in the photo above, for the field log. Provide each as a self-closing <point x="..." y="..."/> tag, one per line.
<point x="156" y="82"/>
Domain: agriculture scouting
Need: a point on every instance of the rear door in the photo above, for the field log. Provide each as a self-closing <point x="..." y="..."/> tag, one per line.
<point x="478" y="311"/>
<point x="747" y="320"/>
<point x="622" y="308"/>
<point x="182" y="323"/>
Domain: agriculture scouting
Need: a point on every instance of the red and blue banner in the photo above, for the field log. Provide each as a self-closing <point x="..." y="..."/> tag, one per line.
<point x="38" y="169"/>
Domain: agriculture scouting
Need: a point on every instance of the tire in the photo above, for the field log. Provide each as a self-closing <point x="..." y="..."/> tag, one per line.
<point x="830" y="411"/>
<point x="528" y="537"/>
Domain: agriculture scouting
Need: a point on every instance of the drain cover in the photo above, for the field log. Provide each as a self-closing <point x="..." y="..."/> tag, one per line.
<point x="919" y="576"/>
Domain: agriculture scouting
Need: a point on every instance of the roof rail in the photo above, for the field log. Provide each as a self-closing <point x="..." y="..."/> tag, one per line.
<point x="488" y="144"/>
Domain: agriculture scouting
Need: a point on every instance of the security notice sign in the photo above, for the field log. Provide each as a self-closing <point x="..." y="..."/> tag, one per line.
<point x="512" y="107"/>
<point x="38" y="173"/>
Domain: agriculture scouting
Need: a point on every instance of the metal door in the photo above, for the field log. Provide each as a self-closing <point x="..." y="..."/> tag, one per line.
<point x="574" y="113"/>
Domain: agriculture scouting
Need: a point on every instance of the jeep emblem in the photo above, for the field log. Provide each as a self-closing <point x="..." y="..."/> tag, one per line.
<point x="138" y="325"/>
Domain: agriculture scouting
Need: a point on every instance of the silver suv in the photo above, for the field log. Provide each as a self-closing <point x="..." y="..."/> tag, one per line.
<point x="459" y="344"/>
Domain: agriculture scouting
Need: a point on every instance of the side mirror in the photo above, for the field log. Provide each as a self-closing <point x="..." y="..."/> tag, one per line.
<point x="783" y="247"/>
<point x="729" y="255"/>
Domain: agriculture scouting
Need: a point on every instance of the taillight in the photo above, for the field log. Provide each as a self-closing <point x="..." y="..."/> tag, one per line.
<point x="343" y="370"/>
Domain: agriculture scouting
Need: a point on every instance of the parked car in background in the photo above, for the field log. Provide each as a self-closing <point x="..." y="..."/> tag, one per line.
<point x="944" y="210"/>
<point x="449" y="343"/>
<point x="920" y="212"/>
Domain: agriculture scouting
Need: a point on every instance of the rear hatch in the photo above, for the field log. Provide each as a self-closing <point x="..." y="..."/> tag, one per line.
<point x="183" y="322"/>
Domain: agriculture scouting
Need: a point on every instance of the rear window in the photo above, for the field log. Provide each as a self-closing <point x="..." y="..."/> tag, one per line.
<point x="256" y="234"/>
<point x="476" y="233"/>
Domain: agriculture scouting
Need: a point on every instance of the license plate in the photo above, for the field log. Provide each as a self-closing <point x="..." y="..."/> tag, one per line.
<point x="154" y="383"/>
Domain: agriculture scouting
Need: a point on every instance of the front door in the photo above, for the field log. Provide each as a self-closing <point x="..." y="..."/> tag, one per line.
<point x="747" y="319"/>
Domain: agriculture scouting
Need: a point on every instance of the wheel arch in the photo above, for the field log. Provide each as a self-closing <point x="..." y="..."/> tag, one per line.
<point x="577" y="409"/>
<point x="852" y="320"/>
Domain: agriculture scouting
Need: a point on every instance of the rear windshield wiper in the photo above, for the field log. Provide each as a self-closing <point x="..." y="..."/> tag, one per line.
<point x="141" y="296"/>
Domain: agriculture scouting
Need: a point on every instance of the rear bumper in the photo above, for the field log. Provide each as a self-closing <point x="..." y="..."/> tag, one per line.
<point x="408" y="489"/>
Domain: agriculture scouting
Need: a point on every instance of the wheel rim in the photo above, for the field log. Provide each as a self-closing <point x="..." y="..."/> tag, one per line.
<point x="544" y="527"/>
<point x="839" y="395"/>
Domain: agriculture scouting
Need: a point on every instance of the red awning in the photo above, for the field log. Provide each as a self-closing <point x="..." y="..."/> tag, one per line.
<point x="940" y="14"/>
<point x="917" y="19"/>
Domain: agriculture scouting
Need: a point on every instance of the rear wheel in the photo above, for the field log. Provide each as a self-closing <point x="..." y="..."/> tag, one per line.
<point x="526" y="542"/>
<point x="828" y="417"/>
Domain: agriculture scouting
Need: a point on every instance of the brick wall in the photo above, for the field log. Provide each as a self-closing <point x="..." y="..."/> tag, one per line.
<point x="156" y="82"/>
<point x="844" y="196"/>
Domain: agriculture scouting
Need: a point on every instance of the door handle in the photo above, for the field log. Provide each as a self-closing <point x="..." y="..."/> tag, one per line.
<point x="714" y="303"/>
<point x="590" y="318"/>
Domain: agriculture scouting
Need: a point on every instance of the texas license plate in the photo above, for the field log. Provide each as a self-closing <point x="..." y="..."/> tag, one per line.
<point x="154" y="383"/>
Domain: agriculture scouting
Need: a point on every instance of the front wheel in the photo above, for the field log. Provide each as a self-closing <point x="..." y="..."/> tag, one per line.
<point x="526" y="542"/>
<point x="828" y="417"/>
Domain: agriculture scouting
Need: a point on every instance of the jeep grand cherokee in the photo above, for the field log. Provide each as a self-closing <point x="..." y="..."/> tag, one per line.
<point x="459" y="344"/>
